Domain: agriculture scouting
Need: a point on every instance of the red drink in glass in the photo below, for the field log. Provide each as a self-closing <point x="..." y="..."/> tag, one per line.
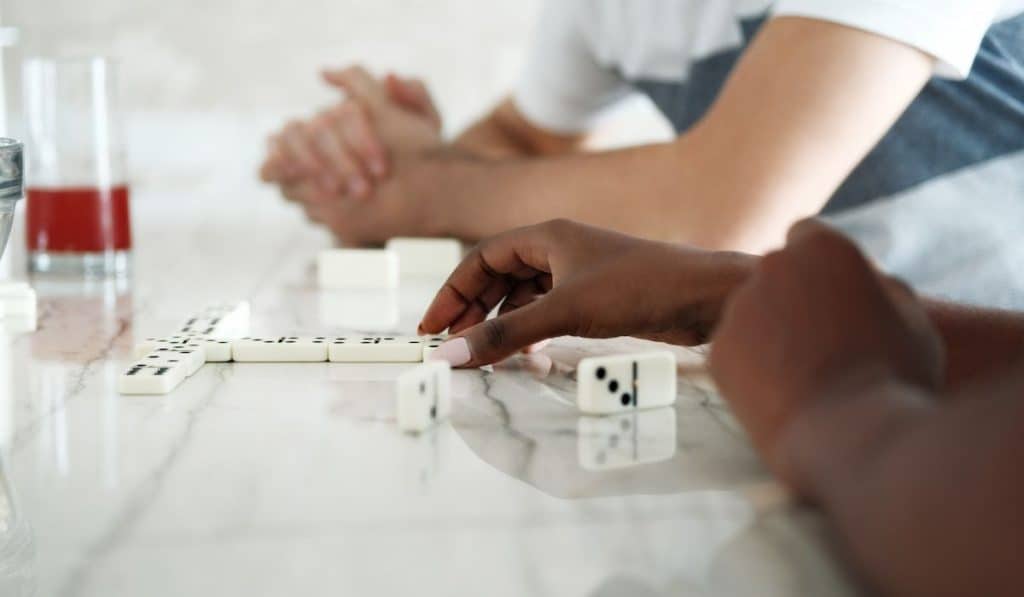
<point x="78" y="219"/>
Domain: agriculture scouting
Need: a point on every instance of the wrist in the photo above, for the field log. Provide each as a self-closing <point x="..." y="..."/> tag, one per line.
<point x="726" y="271"/>
<point x="846" y="429"/>
<point x="436" y="184"/>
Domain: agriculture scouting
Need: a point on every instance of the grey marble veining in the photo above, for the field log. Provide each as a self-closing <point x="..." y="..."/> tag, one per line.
<point x="277" y="479"/>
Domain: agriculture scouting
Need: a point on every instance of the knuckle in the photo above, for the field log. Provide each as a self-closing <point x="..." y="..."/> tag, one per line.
<point x="494" y="333"/>
<point x="323" y="120"/>
<point x="355" y="112"/>
<point x="335" y="113"/>
<point x="773" y="264"/>
<point x="901" y="286"/>
<point x="558" y="226"/>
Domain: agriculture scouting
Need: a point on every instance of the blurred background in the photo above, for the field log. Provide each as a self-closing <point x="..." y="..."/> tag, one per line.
<point x="229" y="71"/>
<point x="262" y="56"/>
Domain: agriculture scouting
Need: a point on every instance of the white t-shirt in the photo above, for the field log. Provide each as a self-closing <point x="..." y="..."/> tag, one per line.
<point x="586" y="52"/>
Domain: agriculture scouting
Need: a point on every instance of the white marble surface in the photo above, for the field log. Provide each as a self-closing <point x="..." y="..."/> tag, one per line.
<point x="290" y="479"/>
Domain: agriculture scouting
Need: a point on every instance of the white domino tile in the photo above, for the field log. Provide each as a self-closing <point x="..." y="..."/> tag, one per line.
<point x="18" y="298"/>
<point x="223" y="321"/>
<point x="148" y="345"/>
<point x="214" y="351"/>
<point x="430" y="344"/>
<point x="190" y="355"/>
<point x="18" y="306"/>
<point x="626" y="439"/>
<point x="280" y="349"/>
<point x="151" y="376"/>
<point x="375" y="349"/>
<point x="426" y="256"/>
<point x="423" y="396"/>
<point x="357" y="269"/>
<point x="613" y="384"/>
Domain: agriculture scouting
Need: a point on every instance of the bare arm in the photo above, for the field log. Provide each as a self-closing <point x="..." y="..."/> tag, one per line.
<point x="505" y="133"/>
<point x="805" y="104"/>
<point x="926" y="498"/>
<point x="841" y="393"/>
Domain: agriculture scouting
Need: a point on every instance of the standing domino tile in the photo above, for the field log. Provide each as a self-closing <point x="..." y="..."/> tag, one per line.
<point x="626" y="439"/>
<point x="430" y="344"/>
<point x="619" y="383"/>
<point x="375" y="349"/>
<point x="357" y="269"/>
<point x="285" y="349"/>
<point x="426" y="256"/>
<point x="18" y="304"/>
<point x="424" y="396"/>
<point x="18" y="298"/>
<point x="152" y="376"/>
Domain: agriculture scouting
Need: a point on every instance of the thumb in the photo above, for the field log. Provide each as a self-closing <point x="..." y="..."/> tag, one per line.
<point x="412" y="94"/>
<point x="499" y="338"/>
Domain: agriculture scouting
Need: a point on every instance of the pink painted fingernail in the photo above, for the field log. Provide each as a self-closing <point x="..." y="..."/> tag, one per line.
<point x="456" y="352"/>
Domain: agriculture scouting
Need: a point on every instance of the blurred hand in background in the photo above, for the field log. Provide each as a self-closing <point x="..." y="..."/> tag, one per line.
<point x="346" y="152"/>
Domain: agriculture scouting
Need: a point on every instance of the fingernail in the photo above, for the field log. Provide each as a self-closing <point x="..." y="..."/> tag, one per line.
<point x="536" y="346"/>
<point x="358" y="186"/>
<point x="456" y="352"/>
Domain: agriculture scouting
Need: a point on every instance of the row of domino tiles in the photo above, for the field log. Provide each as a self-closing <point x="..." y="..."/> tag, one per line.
<point x="294" y="349"/>
<point x="605" y="385"/>
<point x="423" y="394"/>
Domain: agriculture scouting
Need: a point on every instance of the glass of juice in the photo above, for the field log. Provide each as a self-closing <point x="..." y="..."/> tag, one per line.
<point x="77" y="213"/>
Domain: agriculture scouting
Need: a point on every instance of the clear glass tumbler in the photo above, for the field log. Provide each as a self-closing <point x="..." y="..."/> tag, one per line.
<point x="78" y="218"/>
<point x="10" y="186"/>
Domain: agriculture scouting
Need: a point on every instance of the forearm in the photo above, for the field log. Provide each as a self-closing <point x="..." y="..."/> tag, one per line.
<point x="633" y="190"/>
<point x="505" y="133"/>
<point x="653" y="191"/>
<point x="978" y="341"/>
<point x="925" y="498"/>
<point x="738" y="179"/>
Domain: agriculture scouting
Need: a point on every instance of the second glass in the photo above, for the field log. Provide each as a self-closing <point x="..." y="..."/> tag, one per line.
<point x="78" y="216"/>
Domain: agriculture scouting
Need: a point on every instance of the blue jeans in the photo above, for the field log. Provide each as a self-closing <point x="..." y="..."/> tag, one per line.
<point x="940" y="199"/>
<point x="951" y="125"/>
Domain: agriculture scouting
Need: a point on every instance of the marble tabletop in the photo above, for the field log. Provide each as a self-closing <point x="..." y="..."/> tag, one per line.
<point x="291" y="479"/>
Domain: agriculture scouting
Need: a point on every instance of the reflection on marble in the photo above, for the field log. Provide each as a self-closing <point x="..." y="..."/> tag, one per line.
<point x="17" y="556"/>
<point x="528" y="427"/>
<point x="626" y="439"/>
<point x="273" y="479"/>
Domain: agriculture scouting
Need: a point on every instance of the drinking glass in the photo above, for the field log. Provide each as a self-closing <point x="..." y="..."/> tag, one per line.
<point x="10" y="186"/>
<point x="78" y="218"/>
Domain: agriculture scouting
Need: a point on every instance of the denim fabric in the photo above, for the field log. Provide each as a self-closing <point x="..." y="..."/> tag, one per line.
<point x="957" y="236"/>
<point x="950" y="126"/>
